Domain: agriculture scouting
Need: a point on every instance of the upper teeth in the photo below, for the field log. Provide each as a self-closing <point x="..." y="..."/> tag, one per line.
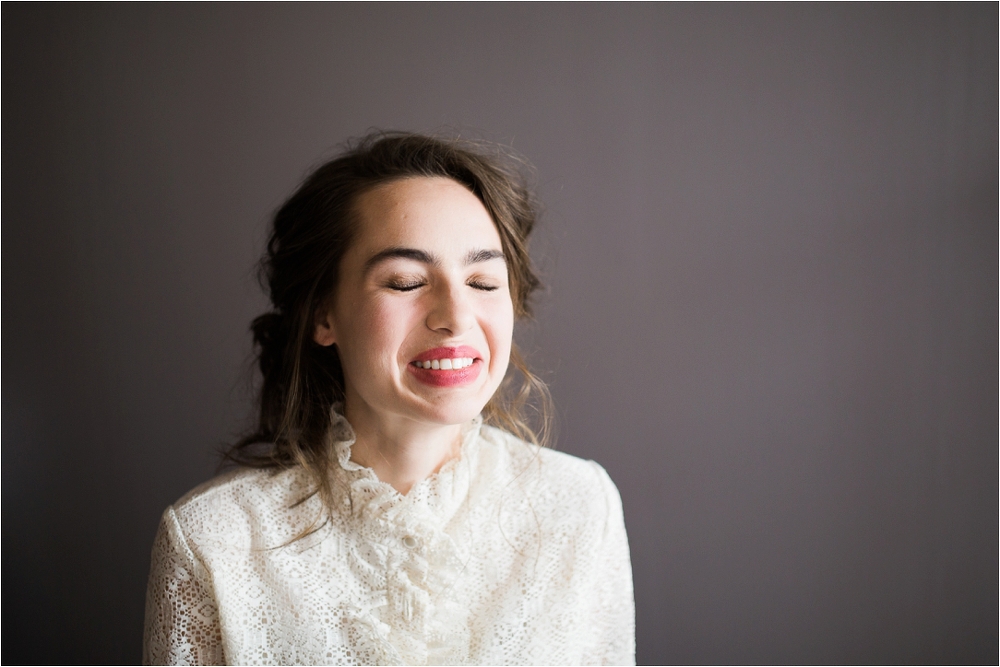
<point x="446" y="364"/>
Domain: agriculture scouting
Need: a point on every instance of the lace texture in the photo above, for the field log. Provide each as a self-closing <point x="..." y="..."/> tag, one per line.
<point x="510" y="554"/>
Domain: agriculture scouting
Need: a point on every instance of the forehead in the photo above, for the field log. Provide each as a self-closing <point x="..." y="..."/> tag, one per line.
<point x="431" y="213"/>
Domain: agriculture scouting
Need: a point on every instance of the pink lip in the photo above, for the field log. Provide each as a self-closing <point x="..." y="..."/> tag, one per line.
<point x="450" y="378"/>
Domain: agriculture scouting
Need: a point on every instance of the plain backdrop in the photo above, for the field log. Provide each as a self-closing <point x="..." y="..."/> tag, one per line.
<point x="771" y="255"/>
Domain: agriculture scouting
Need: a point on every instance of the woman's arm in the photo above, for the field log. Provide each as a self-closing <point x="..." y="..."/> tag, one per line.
<point x="182" y="619"/>
<point x="614" y="616"/>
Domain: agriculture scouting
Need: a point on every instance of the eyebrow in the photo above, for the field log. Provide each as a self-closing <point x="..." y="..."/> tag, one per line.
<point x="474" y="256"/>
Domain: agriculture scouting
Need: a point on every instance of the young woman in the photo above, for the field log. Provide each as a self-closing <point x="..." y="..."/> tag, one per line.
<point x="393" y="507"/>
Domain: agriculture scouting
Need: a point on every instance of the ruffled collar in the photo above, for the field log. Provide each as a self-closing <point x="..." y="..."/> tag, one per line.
<point x="439" y="496"/>
<point x="419" y="621"/>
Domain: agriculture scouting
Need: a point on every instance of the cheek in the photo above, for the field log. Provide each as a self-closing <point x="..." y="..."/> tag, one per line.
<point x="377" y="330"/>
<point x="501" y="330"/>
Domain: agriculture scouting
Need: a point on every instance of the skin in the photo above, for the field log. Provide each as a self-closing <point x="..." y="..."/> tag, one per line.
<point x="425" y="270"/>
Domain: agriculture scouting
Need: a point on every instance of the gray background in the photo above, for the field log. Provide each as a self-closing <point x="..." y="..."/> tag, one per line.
<point x="770" y="246"/>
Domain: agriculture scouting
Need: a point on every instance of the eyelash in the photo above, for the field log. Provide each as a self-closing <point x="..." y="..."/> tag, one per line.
<point x="400" y="286"/>
<point x="410" y="286"/>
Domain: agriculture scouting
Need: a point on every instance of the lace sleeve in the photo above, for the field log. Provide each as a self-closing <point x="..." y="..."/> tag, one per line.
<point x="614" y="629"/>
<point x="182" y="620"/>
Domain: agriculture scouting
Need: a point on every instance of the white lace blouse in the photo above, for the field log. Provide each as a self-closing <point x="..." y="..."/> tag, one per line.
<point x="509" y="555"/>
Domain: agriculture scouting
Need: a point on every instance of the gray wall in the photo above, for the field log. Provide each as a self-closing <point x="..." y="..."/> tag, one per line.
<point x="770" y="243"/>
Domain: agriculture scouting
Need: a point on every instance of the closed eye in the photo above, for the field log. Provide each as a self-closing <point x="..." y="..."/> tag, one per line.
<point x="404" y="285"/>
<point x="482" y="286"/>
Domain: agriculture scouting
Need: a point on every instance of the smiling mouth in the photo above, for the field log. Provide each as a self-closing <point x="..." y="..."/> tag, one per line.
<point x="455" y="364"/>
<point x="448" y="366"/>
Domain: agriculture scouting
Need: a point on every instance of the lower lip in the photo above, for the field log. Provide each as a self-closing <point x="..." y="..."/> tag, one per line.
<point x="452" y="378"/>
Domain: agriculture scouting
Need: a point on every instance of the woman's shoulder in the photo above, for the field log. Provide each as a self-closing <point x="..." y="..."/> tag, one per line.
<point x="562" y="478"/>
<point x="241" y="504"/>
<point x="507" y="449"/>
<point x="245" y="488"/>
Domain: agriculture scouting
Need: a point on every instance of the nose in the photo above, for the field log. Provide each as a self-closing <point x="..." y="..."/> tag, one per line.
<point x="451" y="311"/>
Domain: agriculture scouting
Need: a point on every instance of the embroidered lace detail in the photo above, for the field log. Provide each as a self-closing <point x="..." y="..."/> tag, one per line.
<point x="508" y="555"/>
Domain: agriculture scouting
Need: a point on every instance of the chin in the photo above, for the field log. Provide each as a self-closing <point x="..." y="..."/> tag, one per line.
<point x="452" y="412"/>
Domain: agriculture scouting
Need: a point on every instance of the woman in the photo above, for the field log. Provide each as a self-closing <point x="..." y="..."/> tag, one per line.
<point x="381" y="515"/>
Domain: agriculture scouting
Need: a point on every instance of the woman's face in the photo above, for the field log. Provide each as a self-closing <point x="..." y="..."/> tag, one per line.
<point x="422" y="316"/>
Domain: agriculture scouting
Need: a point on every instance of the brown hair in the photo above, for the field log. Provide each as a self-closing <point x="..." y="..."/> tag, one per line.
<point x="302" y="380"/>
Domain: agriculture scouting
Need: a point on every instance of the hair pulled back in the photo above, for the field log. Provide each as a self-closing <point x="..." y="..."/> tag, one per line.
<point x="302" y="380"/>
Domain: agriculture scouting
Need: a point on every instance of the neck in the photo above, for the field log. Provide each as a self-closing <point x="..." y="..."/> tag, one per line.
<point x="401" y="452"/>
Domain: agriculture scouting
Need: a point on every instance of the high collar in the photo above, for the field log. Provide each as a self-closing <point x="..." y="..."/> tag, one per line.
<point x="434" y="499"/>
<point x="412" y="539"/>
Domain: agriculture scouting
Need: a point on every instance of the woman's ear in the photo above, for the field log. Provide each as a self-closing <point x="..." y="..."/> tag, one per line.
<point x="324" y="333"/>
